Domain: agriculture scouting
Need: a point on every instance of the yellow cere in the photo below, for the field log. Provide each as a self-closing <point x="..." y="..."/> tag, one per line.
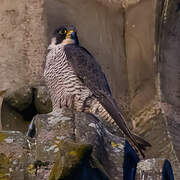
<point x="69" y="33"/>
<point x="113" y="144"/>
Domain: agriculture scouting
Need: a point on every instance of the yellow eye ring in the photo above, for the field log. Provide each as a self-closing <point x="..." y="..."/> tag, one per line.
<point x="63" y="31"/>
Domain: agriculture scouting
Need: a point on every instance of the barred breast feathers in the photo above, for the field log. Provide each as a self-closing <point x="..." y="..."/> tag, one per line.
<point x="65" y="87"/>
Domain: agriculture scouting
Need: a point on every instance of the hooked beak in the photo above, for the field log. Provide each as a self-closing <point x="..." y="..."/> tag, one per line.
<point x="68" y="35"/>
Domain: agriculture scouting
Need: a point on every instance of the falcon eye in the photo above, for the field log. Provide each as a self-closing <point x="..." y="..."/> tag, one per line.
<point x="62" y="31"/>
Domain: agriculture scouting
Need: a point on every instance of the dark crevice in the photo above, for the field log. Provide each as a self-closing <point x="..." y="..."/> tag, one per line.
<point x="130" y="162"/>
<point x="24" y="116"/>
<point x="31" y="111"/>
<point x="178" y="7"/>
<point x="85" y="171"/>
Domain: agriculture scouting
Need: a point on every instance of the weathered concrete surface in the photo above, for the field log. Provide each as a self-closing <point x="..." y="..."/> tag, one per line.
<point x="159" y="121"/>
<point x="169" y="76"/>
<point x="155" y="100"/>
<point x="22" y="43"/>
<point x="170" y="70"/>
<point x="140" y="53"/>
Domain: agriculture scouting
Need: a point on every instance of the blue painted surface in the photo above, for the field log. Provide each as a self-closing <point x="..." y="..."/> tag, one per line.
<point x="130" y="162"/>
<point x="167" y="172"/>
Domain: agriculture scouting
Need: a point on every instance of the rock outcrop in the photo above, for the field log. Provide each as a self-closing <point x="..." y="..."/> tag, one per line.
<point x="73" y="137"/>
<point x="65" y="143"/>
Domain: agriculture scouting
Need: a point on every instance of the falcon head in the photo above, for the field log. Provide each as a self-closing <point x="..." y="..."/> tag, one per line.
<point x="65" y="35"/>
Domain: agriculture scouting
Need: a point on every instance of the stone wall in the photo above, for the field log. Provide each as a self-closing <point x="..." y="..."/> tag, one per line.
<point x="22" y="43"/>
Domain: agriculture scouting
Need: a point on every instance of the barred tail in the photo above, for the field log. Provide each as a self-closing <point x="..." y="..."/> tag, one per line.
<point x="112" y="109"/>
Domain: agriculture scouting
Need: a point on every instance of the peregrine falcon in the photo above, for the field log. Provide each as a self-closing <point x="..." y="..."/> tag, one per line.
<point x="76" y="80"/>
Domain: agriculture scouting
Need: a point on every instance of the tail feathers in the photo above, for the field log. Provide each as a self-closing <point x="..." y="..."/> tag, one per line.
<point x="110" y="105"/>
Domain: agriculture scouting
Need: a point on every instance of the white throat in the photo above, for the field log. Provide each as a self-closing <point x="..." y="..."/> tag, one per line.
<point x="64" y="42"/>
<point x="68" y="41"/>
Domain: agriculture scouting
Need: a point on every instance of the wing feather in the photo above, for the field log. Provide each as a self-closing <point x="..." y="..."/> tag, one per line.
<point x="90" y="73"/>
<point x="87" y="69"/>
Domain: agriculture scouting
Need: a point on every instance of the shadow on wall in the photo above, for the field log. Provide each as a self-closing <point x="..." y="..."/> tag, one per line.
<point x="18" y="109"/>
<point x="17" y="118"/>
